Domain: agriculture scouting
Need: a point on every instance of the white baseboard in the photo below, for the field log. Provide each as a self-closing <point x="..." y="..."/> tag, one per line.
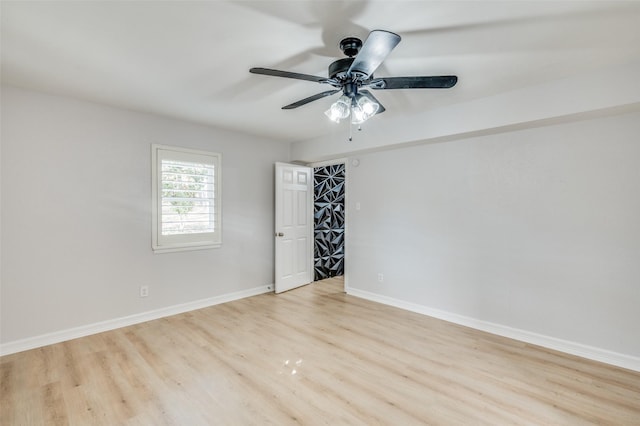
<point x="573" y="348"/>
<point x="99" y="327"/>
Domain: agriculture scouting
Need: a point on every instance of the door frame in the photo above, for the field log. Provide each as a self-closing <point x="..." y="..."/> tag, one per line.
<point x="345" y="161"/>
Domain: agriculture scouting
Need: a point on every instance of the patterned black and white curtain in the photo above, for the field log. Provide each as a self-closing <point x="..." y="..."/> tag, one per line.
<point x="329" y="221"/>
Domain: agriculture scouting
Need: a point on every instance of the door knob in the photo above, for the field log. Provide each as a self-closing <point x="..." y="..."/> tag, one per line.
<point x="280" y="234"/>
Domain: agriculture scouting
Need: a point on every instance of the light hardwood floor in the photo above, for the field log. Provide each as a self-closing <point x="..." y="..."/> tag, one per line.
<point x="311" y="356"/>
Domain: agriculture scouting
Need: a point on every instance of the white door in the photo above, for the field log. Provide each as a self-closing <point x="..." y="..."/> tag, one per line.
<point x="294" y="226"/>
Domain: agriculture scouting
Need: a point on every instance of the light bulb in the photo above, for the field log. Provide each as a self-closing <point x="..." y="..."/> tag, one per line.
<point x="332" y="114"/>
<point x="368" y="106"/>
<point x="339" y="110"/>
<point x="362" y="109"/>
<point x="358" y="115"/>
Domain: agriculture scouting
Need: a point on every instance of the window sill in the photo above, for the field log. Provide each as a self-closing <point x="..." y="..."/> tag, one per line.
<point x="177" y="248"/>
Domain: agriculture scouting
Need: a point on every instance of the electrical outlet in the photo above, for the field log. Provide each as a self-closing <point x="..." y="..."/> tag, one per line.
<point x="380" y="277"/>
<point x="144" y="290"/>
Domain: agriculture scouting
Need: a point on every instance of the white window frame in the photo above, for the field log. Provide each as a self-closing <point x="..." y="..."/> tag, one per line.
<point x="192" y="241"/>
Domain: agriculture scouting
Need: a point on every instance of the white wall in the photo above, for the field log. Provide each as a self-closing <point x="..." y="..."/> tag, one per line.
<point x="76" y="221"/>
<point x="567" y="99"/>
<point x="537" y="230"/>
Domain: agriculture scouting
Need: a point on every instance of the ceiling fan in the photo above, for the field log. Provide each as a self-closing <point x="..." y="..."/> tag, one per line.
<point x="353" y="75"/>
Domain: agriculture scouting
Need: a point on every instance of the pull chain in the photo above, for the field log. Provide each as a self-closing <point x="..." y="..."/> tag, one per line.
<point x="351" y="131"/>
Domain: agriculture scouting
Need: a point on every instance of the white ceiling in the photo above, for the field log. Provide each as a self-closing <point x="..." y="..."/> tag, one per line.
<point x="190" y="59"/>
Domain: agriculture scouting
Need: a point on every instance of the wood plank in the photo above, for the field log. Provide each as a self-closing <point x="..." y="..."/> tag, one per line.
<point x="313" y="355"/>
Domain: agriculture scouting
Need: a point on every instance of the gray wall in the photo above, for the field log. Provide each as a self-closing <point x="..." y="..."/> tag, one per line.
<point x="76" y="221"/>
<point x="536" y="229"/>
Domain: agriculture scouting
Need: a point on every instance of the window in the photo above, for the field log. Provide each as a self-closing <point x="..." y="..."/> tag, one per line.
<point x="186" y="199"/>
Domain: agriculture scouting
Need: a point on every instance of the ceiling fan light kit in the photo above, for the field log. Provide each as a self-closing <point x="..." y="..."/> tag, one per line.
<point x="354" y="75"/>
<point x="360" y="107"/>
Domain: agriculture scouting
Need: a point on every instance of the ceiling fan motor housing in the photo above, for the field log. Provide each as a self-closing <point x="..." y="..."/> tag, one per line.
<point x="339" y="68"/>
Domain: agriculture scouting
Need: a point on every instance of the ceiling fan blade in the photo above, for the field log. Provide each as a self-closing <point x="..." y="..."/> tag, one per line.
<point x="375" y="49"/>
<point x="310" y="99"/>
<point x="287" y="74"/>
<point x="433" y="82"/>
<point x="369" y="95"/>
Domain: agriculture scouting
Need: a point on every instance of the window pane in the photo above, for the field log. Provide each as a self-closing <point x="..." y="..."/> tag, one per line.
<point x="188" y="194"/>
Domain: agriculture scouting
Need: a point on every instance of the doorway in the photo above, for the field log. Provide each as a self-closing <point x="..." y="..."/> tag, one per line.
<point x="329" y="220"/>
